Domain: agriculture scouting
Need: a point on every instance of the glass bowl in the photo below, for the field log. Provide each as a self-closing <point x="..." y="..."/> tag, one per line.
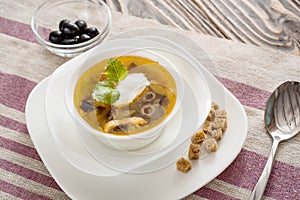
<point x="48" y="15"/>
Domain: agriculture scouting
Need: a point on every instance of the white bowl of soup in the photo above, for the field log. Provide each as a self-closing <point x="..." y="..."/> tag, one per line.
<point x="124" y="97"/>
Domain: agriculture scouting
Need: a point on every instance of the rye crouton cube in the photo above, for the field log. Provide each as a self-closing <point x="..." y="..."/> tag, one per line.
<point x="217" y="134"/>
<point x="183" y="165"/>
<point x="219" y="123"/>
<point x="220" y="114"/>
<point x="194" y="151"/>
<point x="210" y="145"/>
<point x="198" y="137"/>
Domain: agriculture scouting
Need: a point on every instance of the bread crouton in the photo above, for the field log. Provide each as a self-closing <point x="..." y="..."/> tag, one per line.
<point x="217" y="134"/>
<point x="210" y="145"/>
<point x="206" y="126"/>
<point x="198" y="137"/>
<point x="219" y="123"/>
<point x="183" y="165"/>
<point x="220" y="114"/>
<point x="194" y="151"/>
<point x="215" y="106"/>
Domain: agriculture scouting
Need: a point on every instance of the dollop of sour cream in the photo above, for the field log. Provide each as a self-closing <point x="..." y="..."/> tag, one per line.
<point x="132" y="86"/>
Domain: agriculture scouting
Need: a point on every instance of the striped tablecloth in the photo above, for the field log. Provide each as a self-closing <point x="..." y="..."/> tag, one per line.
<point x="249" y="72"/>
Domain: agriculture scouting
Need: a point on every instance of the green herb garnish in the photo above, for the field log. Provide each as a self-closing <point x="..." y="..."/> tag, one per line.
<point x="105" y="91"/>
<point x="116" y="71"/>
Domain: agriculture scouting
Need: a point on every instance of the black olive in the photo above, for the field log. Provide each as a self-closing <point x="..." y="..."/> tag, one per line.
<point x="84" y="38"/>
<point x="91" y="31"/>
<point x="55" y="37"/>
<point x="72" y="33"/>
<point x="62" y="22"/>
<point x="70" y="29"/>
<point x="69" y="41"/>
<point x="82" y="25"/>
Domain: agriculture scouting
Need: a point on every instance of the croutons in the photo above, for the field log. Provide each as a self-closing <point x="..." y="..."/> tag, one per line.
<point x="198" y="137"/>
<point x="184" y="165"/>
<point x="211" y="115"/>
<point x="217" y="134"/>
<point x="220" y="114"/>
<point x="219" y="123"/>
<point x="215" y="106"/>
<point x="210" y="145"/>
<point x="194" y="151"/>
<point x="206" y="126"/>
<point x="212" y="131"/>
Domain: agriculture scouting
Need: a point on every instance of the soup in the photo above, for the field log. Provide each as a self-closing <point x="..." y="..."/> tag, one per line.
<point x="146" y="108"/>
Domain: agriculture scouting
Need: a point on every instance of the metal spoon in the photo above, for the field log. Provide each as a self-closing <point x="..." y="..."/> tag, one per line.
<point x="282" y="121"/>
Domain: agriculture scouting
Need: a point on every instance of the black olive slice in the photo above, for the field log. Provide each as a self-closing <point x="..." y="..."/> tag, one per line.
<point x="149" y="96"/>
<point x="152" y="111"/>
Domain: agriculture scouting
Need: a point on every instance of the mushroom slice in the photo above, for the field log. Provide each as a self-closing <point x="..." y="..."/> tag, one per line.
<point x="136" y="121"/>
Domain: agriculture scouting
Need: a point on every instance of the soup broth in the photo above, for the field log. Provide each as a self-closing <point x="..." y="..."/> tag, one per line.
<point x="147" y="110"/>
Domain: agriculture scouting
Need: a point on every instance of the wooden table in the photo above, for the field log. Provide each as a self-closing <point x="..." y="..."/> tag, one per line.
<point x="270" y="23"/>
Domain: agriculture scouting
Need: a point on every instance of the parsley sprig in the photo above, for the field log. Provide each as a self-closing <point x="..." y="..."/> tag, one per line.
<point x="105" y="92"/>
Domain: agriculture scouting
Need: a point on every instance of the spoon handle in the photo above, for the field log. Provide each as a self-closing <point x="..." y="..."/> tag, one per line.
<point x="259" y="189"/>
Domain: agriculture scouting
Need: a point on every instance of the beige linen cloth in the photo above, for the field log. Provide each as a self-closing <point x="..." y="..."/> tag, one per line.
<point x="249" y="72"/>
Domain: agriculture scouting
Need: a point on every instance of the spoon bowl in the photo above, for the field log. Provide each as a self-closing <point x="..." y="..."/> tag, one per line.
<point x="282" y="116"/>
<point x="282" y="121"/>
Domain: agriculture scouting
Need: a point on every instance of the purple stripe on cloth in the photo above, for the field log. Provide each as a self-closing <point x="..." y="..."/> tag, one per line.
<point x="19" y="192"/>
<point x="14" y="91"/>
<point x="247" y="167"/>
<point x="246" y="94"/>
<point x="13" y="125"/>
<point x="29" y="174"/>
<point x="19" y="148"/>
<point x="209" y="193"/>
<point x="16" y="29"/>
